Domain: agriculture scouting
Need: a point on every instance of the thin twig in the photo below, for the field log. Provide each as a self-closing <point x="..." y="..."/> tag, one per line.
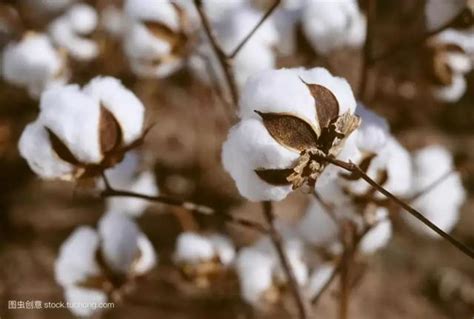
<point x="251" y="33"/>
<point x="351" y="167"/>
<point x="224" y="61"/>
<point x="278" y="244"/>
<point x="367" y="51"/>
<point x="415" y="42"/>
<point x="431" y="186"/>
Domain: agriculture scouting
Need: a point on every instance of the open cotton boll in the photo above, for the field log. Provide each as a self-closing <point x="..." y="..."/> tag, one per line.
<point x="317" y="227"/>
<point x="149" y="11"/>
<point x="147" y="258"/>
<point x="249" y="146"/>
<point x="440" y="12"/>
<point x="33" y="63"/>
<point x="318" y="279"/>
<point x="462" y="38"/>
<point x="373" y="132"/>
<point x="380" y="234"/>
<point x="122" y="103"/>
<point x="224" y="248"/>
<point x="329" y="25"/>
<point x="255" y="271"/>
<point x="68" y="31"/>
<point x="76" y="261"/>
<point x="119" y="241"/>
<point x="74" y="117"/>
<point x="85" y="297"/>
<point x="35" y="147"/>
<point x="193" y="248"/>
<point x="453" y="92"/>
<point x="442" y="203"/>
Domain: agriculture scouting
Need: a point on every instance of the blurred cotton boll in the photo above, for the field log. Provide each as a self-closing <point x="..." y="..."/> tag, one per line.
<point x="380" y="233"/>
<point x="70" y="31"/>
<point x="232" y="26"/>
<point x="318" y="278"/>
<point x="94" y="266"/>
<point x="330" y="25"/>
<point x="128" y="176"/>
<point x="441" y="204"/>
<point x="80" y="133"/>
<point x="34" y="63"/>
<point x="155" y="40"/>
<point x="261" y="155"/>
<point x="373" y="132"/>
<point x="440" y="12"/>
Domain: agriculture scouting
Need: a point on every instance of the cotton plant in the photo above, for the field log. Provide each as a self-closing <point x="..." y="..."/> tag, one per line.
<point x="96" y="266"/>
<point x="128" y="175"/>
<point x="231" y="28"/>
<point x="262" y="279"/>
<point x="71" y="31"/>
<point x="80" y="132"/>
<point x="34" y="63"/>
<point x="441" y="202"/>
<point x="289" y="119"/>
<point x="329" y="25"/>
<point x="203" y="257"/>
<point x="156" y="40"/>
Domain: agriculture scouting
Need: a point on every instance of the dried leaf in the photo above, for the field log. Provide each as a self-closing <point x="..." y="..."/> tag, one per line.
<point x="110" y="133"/>
<point x="277" y="177"/>
<point x="327" y="106"/>
<point x="161" y="31"/>
<point x="61" y="149"/>
<point x="289" y="130"/>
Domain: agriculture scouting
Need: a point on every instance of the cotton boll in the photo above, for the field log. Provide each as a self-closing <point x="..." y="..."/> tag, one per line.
<point x="318" y="279"/>
<point x="379" y="236"/>
<point x="74" y="118"/>
<point x="119" y="239"/>
<point x="329" y="25"/>
<point x="35" y="147"/>
<point x="453" y="92"/>
<point x="224" y="248"/>
<point x="68" y="30"/>
<point x="254" y="269"/>
<point x="462" y="38"/>
<point x="85" y="299"/>
<point x="33" y="63"/>
<point x="317" y="227"/>
<point x="373" y="132"/>
<point x="147" y="258"/>
<point x="76" y="261"/>
<point x="441" y="204"/>
<point x="114" y="20"/>
<point x="249" y="146"/>
<point x="193" y="248"/>
<point x="148" y="10"/>
<point x="122" y="103"/>
<point x="440" y="12"/>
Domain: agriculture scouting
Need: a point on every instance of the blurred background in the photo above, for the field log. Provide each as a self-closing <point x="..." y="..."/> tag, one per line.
<point x="184" y="150"/>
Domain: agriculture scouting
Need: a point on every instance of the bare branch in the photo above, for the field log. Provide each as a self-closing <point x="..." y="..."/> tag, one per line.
<point x="257" y="26"/>
<point x="224" y="61"/>
<point x="278" y="244"/>
<point x="351" y="167"/>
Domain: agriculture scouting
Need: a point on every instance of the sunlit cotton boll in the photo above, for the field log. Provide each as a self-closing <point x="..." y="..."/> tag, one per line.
<point x="126" y="252"/>
<point x="441" y="205"/>
<point x="79" y="133"/>
<point x="329" y="25"/>
<point x="193" y="248"/>
<point x="250" y="146"/>
<point x="70" y="31"/>
<point x="33" y="63"/>
<point x="128" y="176"/>
<point x="155" y="40"/>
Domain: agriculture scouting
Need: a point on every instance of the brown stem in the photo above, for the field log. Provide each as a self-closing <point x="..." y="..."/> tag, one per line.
<point x="224" y="61"/>
<point x="200" y="209"/>
<point x="257" y="26"/>
<point x="367" y="51"/>
<point x="354" y="169"/>
<point x="278" y="244"/>
<point x="415" y="42"/>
